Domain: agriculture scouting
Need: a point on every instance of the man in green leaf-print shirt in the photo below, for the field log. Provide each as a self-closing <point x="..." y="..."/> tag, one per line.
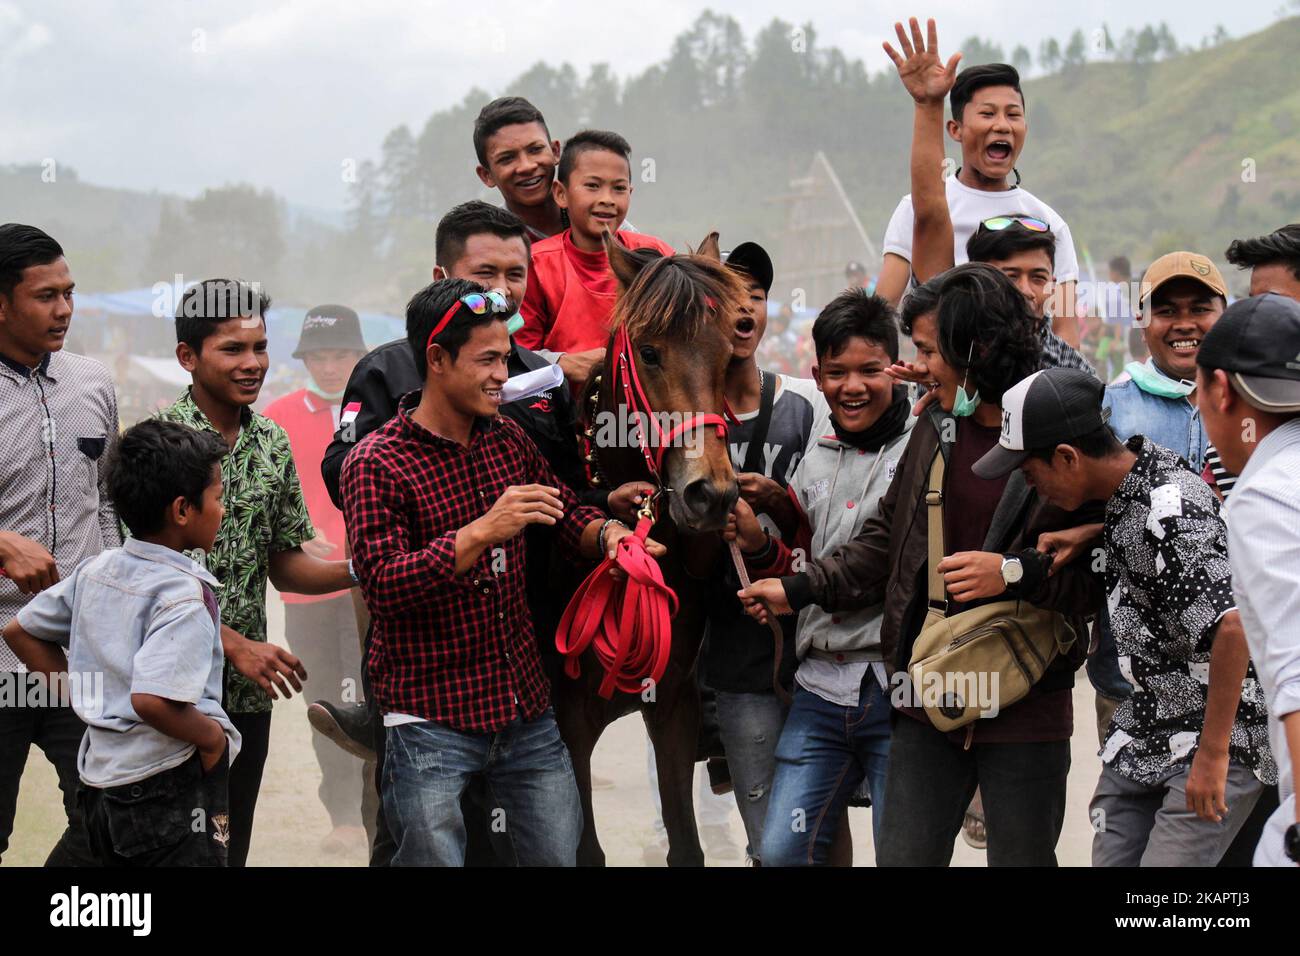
<point x="221" y="342"/>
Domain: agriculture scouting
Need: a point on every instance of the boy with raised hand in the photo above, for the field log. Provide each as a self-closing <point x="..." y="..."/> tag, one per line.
<point x="571" y="291"/>
<point x="221" y="342"/>
<point x="1249" y="392"/>
<point x="988" y="120"/>
<point x="158" y="745"/>
<point x="1186" y="756"/>
<point x="837" y="732"/>
<point x="517" y="156"/>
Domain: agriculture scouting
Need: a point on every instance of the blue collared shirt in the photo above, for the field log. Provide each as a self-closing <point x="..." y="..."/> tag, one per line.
<point x="1174" y="423"/>
<point x="139" y="619"/>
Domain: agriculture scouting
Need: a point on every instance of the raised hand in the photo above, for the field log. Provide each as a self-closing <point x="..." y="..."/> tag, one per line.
<point x="920" y="68"/>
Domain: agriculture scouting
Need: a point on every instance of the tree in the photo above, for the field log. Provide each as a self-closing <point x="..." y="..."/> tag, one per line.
<point x="399" y="176"/>
<point x="976" y="51"/>
<point x="600" y="97"/>
<point x="1049" y="55"/>
<point x="1022" y="59"/>
<point x="1166" y="42"/>
<point x="1146" y="45"/>
<point x="1076" y="51"/>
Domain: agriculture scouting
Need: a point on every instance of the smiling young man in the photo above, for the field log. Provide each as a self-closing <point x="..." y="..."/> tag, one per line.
<point x="60" y="414"/>
<point x="221" y="342"/>
<point x="571" y="290"/>
<point x="837" y="733"/>
<point x="436" y="501"/>
<point x="1186" y="756"/>
<point x="517" y="156"/>
<point x="1249" y="390"/>
<point x="989" y="122"/>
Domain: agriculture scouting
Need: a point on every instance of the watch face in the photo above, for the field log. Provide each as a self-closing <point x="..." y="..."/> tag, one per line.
<point x="1012" y="571"/>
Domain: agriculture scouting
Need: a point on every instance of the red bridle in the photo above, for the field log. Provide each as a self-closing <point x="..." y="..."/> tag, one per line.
<point x="628" y="622"/>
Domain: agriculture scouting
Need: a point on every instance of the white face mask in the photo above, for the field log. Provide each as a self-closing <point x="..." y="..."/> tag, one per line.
<point x="964" y="405"/>
<point x="327" y="396"/>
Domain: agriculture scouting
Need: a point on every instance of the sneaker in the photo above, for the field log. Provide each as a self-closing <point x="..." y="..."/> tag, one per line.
<point x="348" y="726"/>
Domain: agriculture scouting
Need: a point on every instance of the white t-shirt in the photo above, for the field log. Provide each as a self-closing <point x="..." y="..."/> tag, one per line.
<point x="969" y="207"/>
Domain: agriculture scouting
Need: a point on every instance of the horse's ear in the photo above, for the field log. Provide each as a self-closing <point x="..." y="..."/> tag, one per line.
<point x="621" y="262"/>
<point x="709" y="248"/>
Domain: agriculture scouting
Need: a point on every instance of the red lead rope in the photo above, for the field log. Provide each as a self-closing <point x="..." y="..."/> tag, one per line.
<point x="628" y="622"/>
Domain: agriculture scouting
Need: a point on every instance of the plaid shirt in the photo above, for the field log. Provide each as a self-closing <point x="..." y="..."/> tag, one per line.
<point x="1058" y="353"/>
<point x="456" y="650"/>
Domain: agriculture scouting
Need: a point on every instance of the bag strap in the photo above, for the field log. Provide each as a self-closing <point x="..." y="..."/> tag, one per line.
<point x="766" y="400"/>
<point x="938" y="597"/>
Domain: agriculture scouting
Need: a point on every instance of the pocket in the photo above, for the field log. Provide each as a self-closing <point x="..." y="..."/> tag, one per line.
<point x="93" y="447"/>
<point x="150" y="815"/>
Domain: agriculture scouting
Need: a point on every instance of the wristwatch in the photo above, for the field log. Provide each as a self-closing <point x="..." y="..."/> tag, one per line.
<point x="1292" y="842"/>
<point x="1012" y="570"/>
<point x="352" y="573"/>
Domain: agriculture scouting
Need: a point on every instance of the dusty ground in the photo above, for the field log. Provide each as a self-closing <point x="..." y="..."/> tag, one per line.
<point x="291" y="820"/>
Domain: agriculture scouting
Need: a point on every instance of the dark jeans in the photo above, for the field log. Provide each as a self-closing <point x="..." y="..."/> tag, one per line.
<point x="532" y="794"/>
<point x="324" y="635"/>
<point x="246" y="781"/>
<point x="179" y="817"/>
<point x="57" y="731"/>
<point x="826" y="750"/>
<point x="1103" y="663"/>
<point x="750" y="726"/>
<point x="931" y="782"/>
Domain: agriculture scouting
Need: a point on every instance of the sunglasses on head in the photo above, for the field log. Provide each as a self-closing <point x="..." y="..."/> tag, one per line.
<point x="998" y="223"/>
<point x="476" y="302"/>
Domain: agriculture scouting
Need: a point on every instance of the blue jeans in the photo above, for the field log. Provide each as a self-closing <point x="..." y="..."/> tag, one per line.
<point x="825" y="751"/>
<point x="750" y="725"/>
<point x="532" y="798"/>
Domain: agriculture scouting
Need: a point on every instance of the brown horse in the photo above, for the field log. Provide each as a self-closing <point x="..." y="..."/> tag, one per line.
<point x="678" y="312"/>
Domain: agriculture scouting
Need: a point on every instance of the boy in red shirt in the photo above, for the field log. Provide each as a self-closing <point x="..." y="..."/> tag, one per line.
<point x="322" y="628"/>
<point x="571" y="291"/>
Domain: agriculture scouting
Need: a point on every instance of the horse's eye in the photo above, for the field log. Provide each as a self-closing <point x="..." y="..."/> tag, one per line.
<point x="649" y="355"/>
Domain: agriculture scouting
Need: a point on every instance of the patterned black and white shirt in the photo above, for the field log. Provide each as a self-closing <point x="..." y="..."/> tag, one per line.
<point x="1168" y="585"/>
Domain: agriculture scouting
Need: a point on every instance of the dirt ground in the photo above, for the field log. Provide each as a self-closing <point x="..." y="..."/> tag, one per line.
<point x="291" y="821"/>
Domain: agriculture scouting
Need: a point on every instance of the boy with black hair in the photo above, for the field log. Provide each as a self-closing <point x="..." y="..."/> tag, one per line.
<point x="517" y="156"/>
<point x="221" y="342"/>
<point x="1249" y="392"/>
<point x="435" y="501"/>
<point x="837" y="733"/>
<point x="1186" y="756"/>
<point x="989" y="121"/>
<point x="60" y="413"/>
<point x="158" y="744"/>
<point x="571" y="293"/>
<point x="1273" y="261"/>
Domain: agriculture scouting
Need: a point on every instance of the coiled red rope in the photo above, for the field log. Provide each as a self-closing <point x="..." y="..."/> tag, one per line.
<point x="626" y="621"/>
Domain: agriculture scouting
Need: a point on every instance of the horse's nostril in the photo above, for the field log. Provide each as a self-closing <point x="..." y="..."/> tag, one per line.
<point x="699" y="495"/>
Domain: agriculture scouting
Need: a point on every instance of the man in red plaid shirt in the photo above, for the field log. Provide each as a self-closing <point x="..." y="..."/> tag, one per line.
<point x="435" y="503"/>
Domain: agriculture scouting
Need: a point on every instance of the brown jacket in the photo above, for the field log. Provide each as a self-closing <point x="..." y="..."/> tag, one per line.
<point x="887" y="562"/>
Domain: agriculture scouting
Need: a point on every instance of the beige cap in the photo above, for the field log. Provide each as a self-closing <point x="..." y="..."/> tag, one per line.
<point x="1176" y="265"/>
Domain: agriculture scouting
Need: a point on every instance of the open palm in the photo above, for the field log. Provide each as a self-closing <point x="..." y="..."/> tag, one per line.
<point x="920" y="68"/>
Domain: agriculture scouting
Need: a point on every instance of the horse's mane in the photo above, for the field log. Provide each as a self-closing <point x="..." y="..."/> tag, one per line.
<point x="671" y="295"/>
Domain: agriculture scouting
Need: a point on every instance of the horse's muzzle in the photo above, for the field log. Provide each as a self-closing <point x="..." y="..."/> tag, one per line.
<point x="705" y="504"/>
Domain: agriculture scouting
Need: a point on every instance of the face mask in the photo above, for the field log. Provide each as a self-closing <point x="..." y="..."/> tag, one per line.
<point x="514" y="323"/>
<point x="327" y="396"/>
<point x="964" y="406"/>
<point x="1146" y="377"/>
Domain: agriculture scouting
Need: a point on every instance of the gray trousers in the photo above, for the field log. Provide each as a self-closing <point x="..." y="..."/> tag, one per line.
<point x="1138" y="825"/>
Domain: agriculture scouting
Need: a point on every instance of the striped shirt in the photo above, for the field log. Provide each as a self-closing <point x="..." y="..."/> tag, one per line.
<point x="57" y="424"/>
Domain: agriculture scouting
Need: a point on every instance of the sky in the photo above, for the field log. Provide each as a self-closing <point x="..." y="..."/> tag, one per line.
<point x="184" y="94"/>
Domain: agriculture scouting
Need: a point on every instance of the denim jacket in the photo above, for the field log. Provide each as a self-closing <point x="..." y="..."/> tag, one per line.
<point x="1174" y="423"/>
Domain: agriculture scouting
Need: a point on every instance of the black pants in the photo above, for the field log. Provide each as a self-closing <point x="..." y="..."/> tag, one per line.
<point x="179" y="817"/>
<point x="246" y="781"/>
<point x="57" y="731"/>
<point x="931" y="781"/>
<point x="324" y="635"/>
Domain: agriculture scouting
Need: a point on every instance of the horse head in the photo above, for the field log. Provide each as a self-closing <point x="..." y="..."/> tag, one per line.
<point x="671" y="342"/>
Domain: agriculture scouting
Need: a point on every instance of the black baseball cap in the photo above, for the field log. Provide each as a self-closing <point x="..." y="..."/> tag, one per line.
<point x="1042" y="411"/>
<point x="753" y="260"/>
<point x="330" y="327"/>
<point x="1257" y="342"/>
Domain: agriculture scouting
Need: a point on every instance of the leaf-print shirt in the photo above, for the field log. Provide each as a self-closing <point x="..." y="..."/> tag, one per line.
<point x="265" y="513"/>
